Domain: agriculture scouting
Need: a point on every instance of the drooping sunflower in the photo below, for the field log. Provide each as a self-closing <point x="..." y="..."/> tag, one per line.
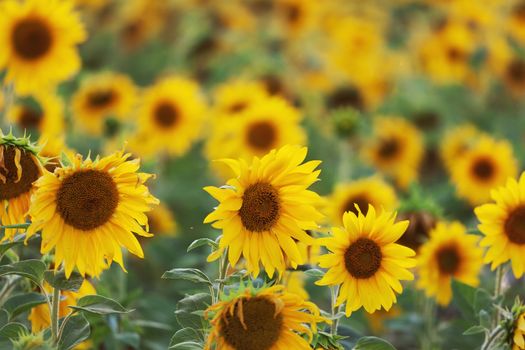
<point x="42" y="112"/>
<point x="451" y="253"/>
<point x="365" y="261"/>
<point x="20" y="166"/>
<point x="171" y="115"/>
<point x="268" y="319"/>
<point x="102" y="96"/>
<point x="38" y="40"/>
<point x="396" y="149"/>
<point x="372" y="190"/>
<point x="266" y="209"/>
<point x="488" y="164"/>
<point x="89" y="209"/>
<point x="502" y="223"/>
<point x="456" y="142"/>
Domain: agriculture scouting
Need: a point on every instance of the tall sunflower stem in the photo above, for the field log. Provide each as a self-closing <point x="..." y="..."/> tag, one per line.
<point x="492" y="337"/>
<point x="429" y="311"/>
<point x="500" y="273"/>
<point x="55" y="303"/>
<point x="223" y="270"/>
<point x="345" y="161"/>
<point x="334" y="291"/>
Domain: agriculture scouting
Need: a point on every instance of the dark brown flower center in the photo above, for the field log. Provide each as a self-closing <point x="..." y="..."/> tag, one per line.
<point x="483" y="169"/>
<point x="346" y="97"/>
<point x="418" y="231"/>
<point x="87" y="199"/>
<point x="516" y="71"/>
<point x="363" y="258"/>
<point x="361" y="200"/>
<point x="448" y="259"/>
<point x="515" y="225"/>
<point x="426" y="120"/>
<point x="257" y="328"/>
<point x="10" y="185"/>
<point x="30" y="118"/>
<point x="456" y="54"/>
<point x="31" y="38"/>
<point x="519" y="11"/>
<point x="261" y="135"/>
<point x="260" y="208"/>
<point x="388" y="148"/>
<point x="292" y="13"/>
<point x="101" y="99"/>
<point x="237" y="107"/>
<point x="166" y="114"/>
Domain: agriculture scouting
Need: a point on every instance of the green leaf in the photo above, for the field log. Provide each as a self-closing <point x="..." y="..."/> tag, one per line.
<point x="4" y="247"/>
<point x="75" y="332"/>
<point x="189" y="304"/>
<point x="187" y="345"/>
<point x="12" y="331"/>
<point x="32" y="269"/>
<point x="128" y="338"/>
<point x="201" y="242"/>
<point x="23" y="302"/>
<point x="314" y="273"/>
<point x="184" y="335"/>
<point x="187" y="274"/>
<point x="464" y="296"/>
<point x="99" y="305"/>
<point x="475" y="330"/>
<point x="59" y="280"/>
<point x="373" y="343"/>
<point x="4" y="317"/>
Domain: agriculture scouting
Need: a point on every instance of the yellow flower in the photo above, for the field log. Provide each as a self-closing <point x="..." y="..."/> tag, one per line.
<point x="450" y="253"/>
<point x="89" y="209"/>
<point x="265" y="209"/>
<point x="43" y="112"/>
<point x="456" y="142"/>
<point x="516" y="21"/>
<point x="234" y="97"/>
<point x="372" y="190"/>
<point x="161" y="220"/>
<point x="507" y="65"/>
<point x="486" y="165"/>
<point x="20" y="166"/>
<point x="40" y="317"/>
<point x="297" y="16"/>
<point x="396" y="149"/>
<point x="269" y="319"/>
<point x="102" y="96"/>
<point x="294" y="282"/>
<point x="140" y="21"/>
<point x="52" y="147"/>
<point x="38" y="40"/>
<point x="366" y="262"/>
<point x="518" y="338"/>
<point x="502" y="223"/>
<point x="378" y="319"/>
<point x="171" y="115"/>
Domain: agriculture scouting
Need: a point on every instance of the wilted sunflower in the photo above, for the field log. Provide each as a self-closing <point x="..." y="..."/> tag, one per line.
<point x="372" y="190"/>
<point x="38" y="40"/>
<point x="89" y="209"/>
<point x="42" y="112"/>
<point x="20" y="166"/>
<point x="170" y="117"/>
<point x="266" y="209"/>
<point x="365" y="260"/>
<point x="450" y="253"/>
<point x="503" y="224"/>
<point x="456" y="142"/>
<point x="486" y="165"/>
<point x="268" y="319"/>
<point x="396" y="149"/>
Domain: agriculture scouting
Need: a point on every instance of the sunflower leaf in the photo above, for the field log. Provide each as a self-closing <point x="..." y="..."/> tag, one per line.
<point x="59" y="280"/>
<point x="187" y="274"/>
<point x="76" y="330"/>
<point x="12" y="331"/>
<point x="99" y="305"/>
<point x="373" y="343"/>
<point x="32" y="269"/>
<point x="475" y="330"/>
<point x="201" y="242"/>
<point x="187" y="345"/>
<point x="23" y="302"/>
<point x="314" y="273"/>
<point x="184" y="335"/>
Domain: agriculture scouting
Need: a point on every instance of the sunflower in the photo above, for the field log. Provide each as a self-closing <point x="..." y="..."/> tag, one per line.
<point x="42" y="112"/>
<point x="379" y="319"/>
<point x="20" y="166"/>
<point x="502" y="223"/>
<point x="456" y="142"/>
<point x="38" y="40"/>
<point x="296" y="16"/>
<point x="396" y="149"/>
<point x="161" y="220"/>
<point x="268" y="319"/>
<point x="171" y="115"/>
<point x="52" y="148"/>
<point x="40" y="317"/>
<point x="372" y="190"/>
<point x="102" y="96"/>
<point x="365" y="260"/>
<point x="294" y="282"/>
<point x="518" y="338"/>
<point x="450" y="253"/>
<point x="234" y="97"/>
<point x="485" y="166"/>
<point x="265" y="210"/>
<point x="94" y="204"/>
<point x="516" y="21"/>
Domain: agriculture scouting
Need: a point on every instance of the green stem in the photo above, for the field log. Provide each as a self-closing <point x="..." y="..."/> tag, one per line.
<point x="345" y="161"/>
<point x="25" y="225"/>
<point x="55" y="303"/>
<point x="429" y="310"/>
<point x="334" y="291"/>
<point x="497" y="293"/>
<point x="223" y="270"/>
<point x="9" y="96"/>
<point x="494" y="335"/>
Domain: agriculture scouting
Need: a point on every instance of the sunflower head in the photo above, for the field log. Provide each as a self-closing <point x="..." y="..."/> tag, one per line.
<point x="365" y="261"/>
<point x="94" y="204"/>
<point x="262" y="319"/>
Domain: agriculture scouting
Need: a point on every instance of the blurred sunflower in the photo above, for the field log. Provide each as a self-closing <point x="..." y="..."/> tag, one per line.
<point x="508" y="66"/>
<point x="161" y="220"/>
<point x="456" y="142"/>
<point x="372" y="190"/>
<point x="294" y="282"/>
<point x="266" y="209"/>
<point x="234" y="97"/>
<point x="170" y="115"/>
<point x="518" y="338"/>
<point x="365" y="261"/>
<point x="379" y="319"/>
<point x="51" y="148"/>
<point x="516" y="21"/>
<point x="450" y="253"/>
<point x="141" y="20"/>
<point x="34" y="36"/>
<point x="396" y="149"/>
<point x="296" y="16"/>
<point x="94" y="204"/>
<point x="486" y="165"/>
<point x="42" y="112"/>
<point x="503" y="224"/>
<point x="100" y="97"/>
<point x="266" y="319"/>
<point x="20" y="166"/>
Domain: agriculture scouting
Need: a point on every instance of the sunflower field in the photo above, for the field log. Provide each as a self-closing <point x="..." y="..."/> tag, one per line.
<point x="262" y="174"/>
